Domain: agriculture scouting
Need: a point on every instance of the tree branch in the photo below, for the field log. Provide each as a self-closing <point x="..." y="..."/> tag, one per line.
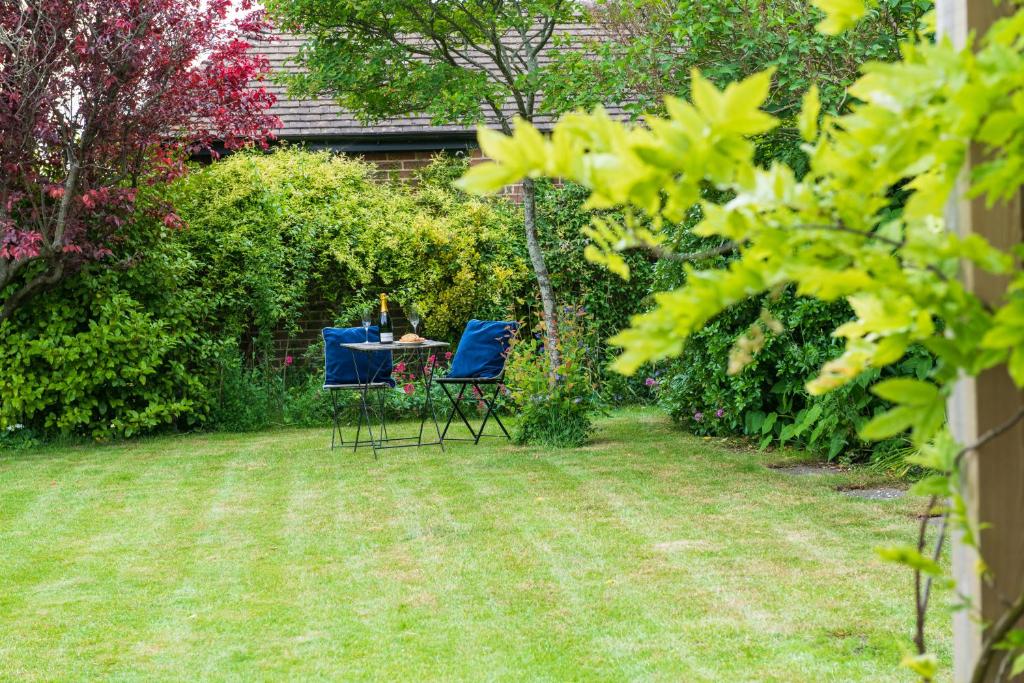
<point x="669" y="255"/>
<point x="37" y="284"/>
<point x="994" y="635"/>
<point x="991" y="434"/>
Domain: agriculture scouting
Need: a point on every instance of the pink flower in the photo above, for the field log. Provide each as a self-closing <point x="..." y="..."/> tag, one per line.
<point x="698" y="416"/>
<point x="447" y="355"/>
<point x="432" y="359"/>
<point x="409" y="388"/>
<point x="288" y="360"/>
<point x="650" y="381"/>
<point x="720" y="412"/>
<point x="400" y="367"/>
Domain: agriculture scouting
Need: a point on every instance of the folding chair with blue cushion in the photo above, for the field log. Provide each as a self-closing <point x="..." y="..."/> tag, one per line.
<point x="348" y="370"/>
<point x="479" y="360"/>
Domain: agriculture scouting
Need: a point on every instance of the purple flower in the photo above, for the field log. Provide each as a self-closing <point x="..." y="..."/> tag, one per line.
<point x="650" y="381"/>
<point x="698" y="416"/>
<point x="720" y="413"/>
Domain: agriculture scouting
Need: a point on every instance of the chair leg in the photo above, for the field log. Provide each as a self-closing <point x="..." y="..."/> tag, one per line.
<point x="454" y="402"/>
<point x="457" y="406"/>
<point x="494" y="411"/>
<point x="383" y="414"/>
<point x="490" y="403"/>
<point x="335" y="426"/>
<point x="369" y="421"/>
<point x="487" y="414"/>
<point x="359" y="424"/>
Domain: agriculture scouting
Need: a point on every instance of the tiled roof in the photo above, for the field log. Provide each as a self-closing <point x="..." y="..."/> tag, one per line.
<point x="324" y="119"/>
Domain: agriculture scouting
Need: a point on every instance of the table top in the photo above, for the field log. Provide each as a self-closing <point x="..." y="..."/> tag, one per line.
<point x="370" y="347"/>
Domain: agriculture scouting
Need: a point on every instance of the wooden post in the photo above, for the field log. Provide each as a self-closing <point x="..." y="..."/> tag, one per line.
<point x="994" y="476"/>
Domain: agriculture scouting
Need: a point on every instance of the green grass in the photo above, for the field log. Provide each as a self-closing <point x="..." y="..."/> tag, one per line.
<point x="648" y="554"/>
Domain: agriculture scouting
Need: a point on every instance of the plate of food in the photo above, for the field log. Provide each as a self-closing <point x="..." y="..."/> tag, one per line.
<point x="410" y="339"/>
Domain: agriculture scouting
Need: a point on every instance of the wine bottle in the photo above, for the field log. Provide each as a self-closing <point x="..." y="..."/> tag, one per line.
<point x="387" y="333"/>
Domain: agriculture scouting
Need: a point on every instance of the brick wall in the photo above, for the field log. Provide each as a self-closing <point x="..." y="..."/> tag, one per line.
<point x="400" y="166"/>
<point x="316" y="317"/>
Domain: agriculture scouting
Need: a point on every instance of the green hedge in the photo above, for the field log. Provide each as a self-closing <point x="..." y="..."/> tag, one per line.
<point x="273" y="232"/>
<point x="114" y="351"/>
<point x="767" y="400"/>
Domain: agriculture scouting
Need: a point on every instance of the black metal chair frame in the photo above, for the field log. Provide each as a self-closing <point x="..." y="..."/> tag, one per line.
<point x="457" y="401"/>
<point x="364" y="414"/>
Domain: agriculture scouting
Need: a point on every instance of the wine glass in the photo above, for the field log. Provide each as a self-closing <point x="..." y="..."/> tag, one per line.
<point x="414" y="318"/>
<point x="367" y="319"/>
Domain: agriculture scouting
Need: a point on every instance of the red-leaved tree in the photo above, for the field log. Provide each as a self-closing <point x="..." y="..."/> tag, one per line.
<point x="99" y="98"/>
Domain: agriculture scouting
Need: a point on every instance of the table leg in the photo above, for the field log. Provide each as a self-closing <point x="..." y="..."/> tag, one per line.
<point x="422" y="357"/>
<point x="364" y="410"/>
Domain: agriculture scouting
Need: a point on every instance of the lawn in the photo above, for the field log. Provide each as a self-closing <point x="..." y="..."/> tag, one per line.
<point x="648" y="554"/>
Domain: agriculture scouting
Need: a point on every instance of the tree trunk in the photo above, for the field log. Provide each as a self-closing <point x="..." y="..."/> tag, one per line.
<point x="540" y="269"/>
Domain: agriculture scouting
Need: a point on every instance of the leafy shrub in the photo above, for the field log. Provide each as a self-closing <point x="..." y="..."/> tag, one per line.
<point x="247" y="398"/>
<point x="16" y="437"/>
<point x="113" y="351"/>
<point x="608" y="300"/>
<point x="555" y="404"/>
<point x="767" y="399"/>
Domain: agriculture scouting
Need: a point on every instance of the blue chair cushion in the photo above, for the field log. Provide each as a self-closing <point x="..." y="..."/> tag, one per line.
<point x="343" y="366"/>
<point x="482" y="349"/>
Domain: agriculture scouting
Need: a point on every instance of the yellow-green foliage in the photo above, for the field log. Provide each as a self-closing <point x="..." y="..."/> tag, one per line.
<point x="839" y="232"/>
<point x="275" y="231"/>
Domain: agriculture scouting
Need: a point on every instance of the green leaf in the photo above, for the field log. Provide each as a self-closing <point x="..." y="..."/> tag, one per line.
<point x="809" y="112"/>
<point x="840" y="15"/>
<point x="808" y="418"/>
<point x="888" y="424"/>
<point x="1002" y="337"/>
<point x="926" y="666"/>
<point x="1018" y="666"/>
<point x="742" y="105"/>
<point x="1016" y="365"/>
<point x="907" y="391"/>
<point x="933" y="485"/>
<point x="487" y="177"/>
<point x="706" y="97"/>
<point x="910" y="557"/>
<point x="890" y="350"/>
<point x="938" y="455"/>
